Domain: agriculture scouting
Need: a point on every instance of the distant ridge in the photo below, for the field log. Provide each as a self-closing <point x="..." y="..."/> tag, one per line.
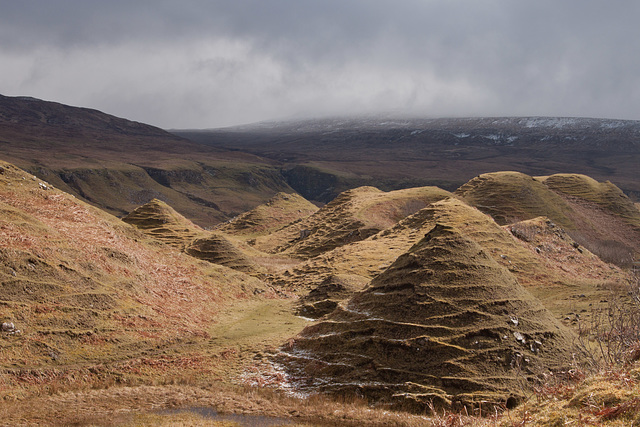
<point x="29" y="114"/>
<point x="391" y="152"/>
<point x="119" y="164"/>
<point x="412" y="122"/>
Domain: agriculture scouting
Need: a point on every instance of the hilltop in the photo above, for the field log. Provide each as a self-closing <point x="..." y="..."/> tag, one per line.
<point x="598" y="215"/>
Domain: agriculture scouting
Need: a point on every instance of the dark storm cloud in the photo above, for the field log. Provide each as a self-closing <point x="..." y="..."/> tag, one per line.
<point x="209" y="63"/>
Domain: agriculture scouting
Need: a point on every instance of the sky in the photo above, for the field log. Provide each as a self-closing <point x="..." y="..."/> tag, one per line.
<point x="210" y="63"/>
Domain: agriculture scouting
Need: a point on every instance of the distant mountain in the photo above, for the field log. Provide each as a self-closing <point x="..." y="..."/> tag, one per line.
<point x="211" y="176"/>
<point x="118" y="164"/>
<point x="324" y="157"/>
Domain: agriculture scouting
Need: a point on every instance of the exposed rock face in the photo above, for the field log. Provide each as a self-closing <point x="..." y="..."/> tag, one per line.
<point x="445" y="323"/>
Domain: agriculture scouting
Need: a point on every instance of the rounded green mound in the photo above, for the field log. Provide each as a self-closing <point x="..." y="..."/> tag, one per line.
<point x="444" y="324"/>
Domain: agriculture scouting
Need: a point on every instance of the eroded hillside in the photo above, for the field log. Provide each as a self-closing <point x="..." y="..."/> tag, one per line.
<point x="419" y="296"/>
<point x="444" y="324"/>
<point x="83" y="287"/>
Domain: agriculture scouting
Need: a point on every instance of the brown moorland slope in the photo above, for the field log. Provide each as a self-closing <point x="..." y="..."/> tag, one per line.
<point x="596" y="215"/>
<point x="118" y="164"/>
<point x="82" y="287"/>
<point x="605" y="194"/>
<point x="445" y="324"/>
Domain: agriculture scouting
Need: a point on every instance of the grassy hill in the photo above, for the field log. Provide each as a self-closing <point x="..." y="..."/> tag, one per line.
<point x="96" y="300"/>
<point x="162" y="312"/>
<point x="118" y="164"/>
<point x="597" y="215"/>
<point x="280" y="211"/>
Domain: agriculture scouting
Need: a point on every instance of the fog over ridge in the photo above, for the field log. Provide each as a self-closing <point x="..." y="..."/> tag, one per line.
<point x="202" y="64"/>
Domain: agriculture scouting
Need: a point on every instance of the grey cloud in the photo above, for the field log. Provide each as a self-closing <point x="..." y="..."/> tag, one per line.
<point x="206" y="63"/>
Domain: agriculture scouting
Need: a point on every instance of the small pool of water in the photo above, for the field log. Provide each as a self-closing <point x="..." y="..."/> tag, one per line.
<point x="246" y="420"/>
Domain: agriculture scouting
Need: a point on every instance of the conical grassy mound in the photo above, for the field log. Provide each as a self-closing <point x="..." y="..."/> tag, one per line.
<point x="218" y="249"/>
<point x="597" y="215"/>
<point x="280" y="210"/>
<point x="605" y="194"/>
<point x="513" y="196"/>
<point x="161" y="221"/>
<point x="445" y="323"/>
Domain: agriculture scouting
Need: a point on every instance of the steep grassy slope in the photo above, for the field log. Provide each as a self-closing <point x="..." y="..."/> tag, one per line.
<point x="597" y="215"/>
<point x="118" y="165"/>
<point x="279" y="211"/>
<point x="444" y="323"/>
<point x="85" y="288"/>
<point x="352" y="216"/>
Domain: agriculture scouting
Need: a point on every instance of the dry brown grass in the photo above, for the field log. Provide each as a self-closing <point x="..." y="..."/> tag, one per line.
<point x="611" y="336"/>
<point x="116" y="325"/>
<point x="133" y="405"/>
<point x="605" y="388"/>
